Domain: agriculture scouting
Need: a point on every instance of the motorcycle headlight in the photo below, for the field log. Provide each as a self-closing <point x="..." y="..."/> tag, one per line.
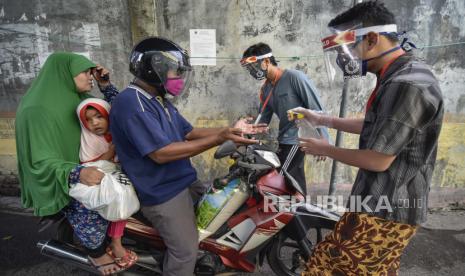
<point x="270" y="157"/>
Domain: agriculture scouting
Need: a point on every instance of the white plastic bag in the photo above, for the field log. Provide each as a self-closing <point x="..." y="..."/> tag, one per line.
<point x="114" y="199"/>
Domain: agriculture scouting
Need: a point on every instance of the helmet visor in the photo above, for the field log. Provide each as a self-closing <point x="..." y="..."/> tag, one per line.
<point x="172" y="65"/>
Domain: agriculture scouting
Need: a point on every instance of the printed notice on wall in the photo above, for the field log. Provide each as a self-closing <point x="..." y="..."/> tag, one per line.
<point x="203" y="46"/>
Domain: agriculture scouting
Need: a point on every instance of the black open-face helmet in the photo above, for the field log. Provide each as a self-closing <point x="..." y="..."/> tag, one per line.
<point x="152" y="58"/>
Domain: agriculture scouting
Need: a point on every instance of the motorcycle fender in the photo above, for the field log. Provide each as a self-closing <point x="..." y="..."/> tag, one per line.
<point x="307" y="216"/>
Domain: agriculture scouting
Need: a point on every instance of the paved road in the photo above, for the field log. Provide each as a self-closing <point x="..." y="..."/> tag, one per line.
<point x="437" y="249"/>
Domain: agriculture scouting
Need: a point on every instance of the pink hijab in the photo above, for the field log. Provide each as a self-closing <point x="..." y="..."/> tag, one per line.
<point x="92" y="145"/>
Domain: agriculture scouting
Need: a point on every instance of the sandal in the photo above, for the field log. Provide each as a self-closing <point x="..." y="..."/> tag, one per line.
<point x="101" y="268"/>
<point x="125" y="262"/>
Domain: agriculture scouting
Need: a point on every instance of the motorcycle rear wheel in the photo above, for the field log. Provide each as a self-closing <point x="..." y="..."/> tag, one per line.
<point x="65" y="232"/>
<point x="285" y="256"/>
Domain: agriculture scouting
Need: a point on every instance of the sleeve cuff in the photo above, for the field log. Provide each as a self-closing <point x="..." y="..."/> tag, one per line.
<point x="74" y="175"/>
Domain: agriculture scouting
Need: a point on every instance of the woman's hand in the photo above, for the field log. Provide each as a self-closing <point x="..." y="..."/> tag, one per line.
<point x="101" y="75"/>
<point x="90" y="176"/>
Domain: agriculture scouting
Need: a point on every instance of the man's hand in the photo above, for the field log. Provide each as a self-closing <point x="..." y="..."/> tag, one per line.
<point x="249" y="128"/>
<point x="235" y="135"/>
<point x="314" y="146"/>
<point x="315" y="118"/>
<point x="90" y="176"/>
<point x="101" y="75"/>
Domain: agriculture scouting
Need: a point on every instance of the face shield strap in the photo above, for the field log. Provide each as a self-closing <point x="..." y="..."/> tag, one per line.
<point x="254" y="59"/>
<point x="406" y="45"/>
<point x="387" y="30"/>
<point x="382" y="29"/>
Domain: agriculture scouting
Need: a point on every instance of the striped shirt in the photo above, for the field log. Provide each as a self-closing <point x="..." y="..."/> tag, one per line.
<point x="404" y="121"/>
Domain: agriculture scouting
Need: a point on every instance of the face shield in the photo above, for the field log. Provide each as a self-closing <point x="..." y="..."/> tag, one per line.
<point x="343" y="51"/>
<point x="174" y="70"/>
<point x="253" y="65"/>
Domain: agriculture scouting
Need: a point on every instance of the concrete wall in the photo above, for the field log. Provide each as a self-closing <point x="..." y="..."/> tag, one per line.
<point x="31" y="30"/>
<point x="292" y="28"/>
<point x="220" y="94"/>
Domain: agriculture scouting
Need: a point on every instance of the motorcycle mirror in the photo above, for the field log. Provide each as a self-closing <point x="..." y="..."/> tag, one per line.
<point x="225" y="149"/>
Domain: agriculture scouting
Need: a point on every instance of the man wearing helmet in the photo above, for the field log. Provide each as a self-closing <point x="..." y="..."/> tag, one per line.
<point x="154" y="143"/>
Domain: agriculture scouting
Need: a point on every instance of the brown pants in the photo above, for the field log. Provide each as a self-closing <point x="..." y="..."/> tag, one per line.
<point x="361" y="245"/>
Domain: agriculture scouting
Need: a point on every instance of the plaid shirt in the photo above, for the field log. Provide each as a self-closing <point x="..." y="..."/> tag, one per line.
<point x="404" y="120"/>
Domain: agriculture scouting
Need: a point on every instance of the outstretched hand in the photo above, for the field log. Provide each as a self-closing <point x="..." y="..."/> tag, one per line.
<point x="235" y="135"/>
<point x="249" y="128"/>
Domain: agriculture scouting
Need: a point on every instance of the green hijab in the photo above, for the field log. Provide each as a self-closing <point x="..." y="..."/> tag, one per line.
<point x="48" y="133"/>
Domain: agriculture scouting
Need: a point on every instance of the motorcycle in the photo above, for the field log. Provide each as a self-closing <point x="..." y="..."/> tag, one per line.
<point x="271" y="221"/>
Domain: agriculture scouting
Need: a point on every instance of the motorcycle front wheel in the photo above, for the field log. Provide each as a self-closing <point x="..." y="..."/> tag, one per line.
<point x="285" y="256"/>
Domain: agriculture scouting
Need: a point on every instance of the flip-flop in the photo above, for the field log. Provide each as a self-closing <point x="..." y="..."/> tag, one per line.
<point x="125" y="262"/>
<point x="101" y="267"/>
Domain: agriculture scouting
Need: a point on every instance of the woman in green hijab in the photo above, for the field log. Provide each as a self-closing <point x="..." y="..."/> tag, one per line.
<point x="47" y="142"/>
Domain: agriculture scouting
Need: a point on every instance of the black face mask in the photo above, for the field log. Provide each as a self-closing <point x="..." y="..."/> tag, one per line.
<point x="350" y="67"/>
<point x="256" y="71"/>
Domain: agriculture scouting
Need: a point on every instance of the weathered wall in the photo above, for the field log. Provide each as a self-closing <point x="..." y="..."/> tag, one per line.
<point x="292" y="28"/>
<point x="221" y="94"/>
<point x="31" y="30"/>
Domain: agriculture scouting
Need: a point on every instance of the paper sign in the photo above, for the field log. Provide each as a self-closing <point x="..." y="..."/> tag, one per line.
<point x="203" y="46"/>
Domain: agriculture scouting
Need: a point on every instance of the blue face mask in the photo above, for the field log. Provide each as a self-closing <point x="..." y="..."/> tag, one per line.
<point x="365" y="61"/>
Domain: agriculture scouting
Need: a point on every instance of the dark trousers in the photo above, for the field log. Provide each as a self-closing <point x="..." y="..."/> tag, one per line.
<point x="296" y="167"/>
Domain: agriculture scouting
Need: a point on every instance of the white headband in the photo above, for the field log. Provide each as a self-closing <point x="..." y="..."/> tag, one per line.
<point x="392" y="28"/>
<point x="270" y="54"/>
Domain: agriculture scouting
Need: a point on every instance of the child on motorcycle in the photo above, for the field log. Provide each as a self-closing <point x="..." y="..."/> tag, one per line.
<point x="96" y="144"/>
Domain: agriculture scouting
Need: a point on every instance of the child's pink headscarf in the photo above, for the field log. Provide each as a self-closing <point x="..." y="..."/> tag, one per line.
<point x="92" y="145"/>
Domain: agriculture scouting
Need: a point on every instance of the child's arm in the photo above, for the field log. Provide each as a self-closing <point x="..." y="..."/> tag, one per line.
<point x="109" y="155"/>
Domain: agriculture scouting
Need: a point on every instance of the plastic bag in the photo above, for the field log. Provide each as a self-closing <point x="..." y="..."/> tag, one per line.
<point x="114" y="199"/>
<point x="306" y="129"/>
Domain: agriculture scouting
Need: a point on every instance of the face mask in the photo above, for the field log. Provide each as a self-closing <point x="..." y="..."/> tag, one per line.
<point x="256" y="71"/>
<point x="365" y="61"/>
<point x="349" y="66"/>
<point x="174" y="86"/>
<point x="356" y="67"/>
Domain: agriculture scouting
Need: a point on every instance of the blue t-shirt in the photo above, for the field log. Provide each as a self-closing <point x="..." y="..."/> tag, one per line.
<point x="293" y="89"/>
<point x="139" y="125"/>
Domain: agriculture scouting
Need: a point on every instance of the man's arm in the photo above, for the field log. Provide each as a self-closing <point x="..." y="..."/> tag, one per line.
<point x="243" y="124"/>
<point x="351" y="125"/>
<point x="181" y="150"/>
<point x="365" y="159"/>
<point x="198" y="133"/>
